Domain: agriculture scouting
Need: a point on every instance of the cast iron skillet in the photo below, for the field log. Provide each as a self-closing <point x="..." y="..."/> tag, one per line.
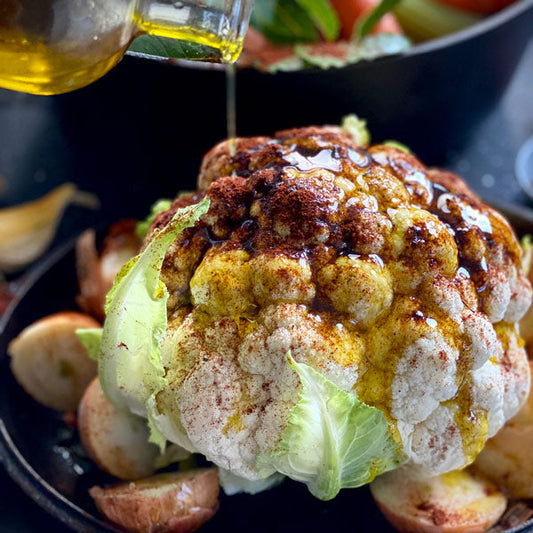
<point x="45" y="458"/>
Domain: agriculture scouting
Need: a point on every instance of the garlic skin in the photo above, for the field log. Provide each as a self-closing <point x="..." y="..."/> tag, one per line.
<point x="26" y="230"/>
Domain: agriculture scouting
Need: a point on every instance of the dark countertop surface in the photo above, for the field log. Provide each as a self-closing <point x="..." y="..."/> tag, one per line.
<point x="31" y="151"/>
<point x="487" y="160"/>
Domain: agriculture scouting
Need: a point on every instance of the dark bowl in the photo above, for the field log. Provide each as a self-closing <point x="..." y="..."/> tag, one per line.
<point x="430" y="97"/>
<point x="45" y="458"/>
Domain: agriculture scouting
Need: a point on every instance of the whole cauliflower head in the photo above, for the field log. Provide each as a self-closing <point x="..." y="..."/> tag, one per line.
<point x="328" y="276"/>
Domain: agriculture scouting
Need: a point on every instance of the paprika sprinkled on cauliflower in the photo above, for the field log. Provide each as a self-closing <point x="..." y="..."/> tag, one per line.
<point x="326" y="283"/>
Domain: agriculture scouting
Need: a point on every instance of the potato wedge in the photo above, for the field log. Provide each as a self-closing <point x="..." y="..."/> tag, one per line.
<point x="121" y="244"/>
<point x="97" y="271"/>
<point x="50" y="362"/>
<point x="507" y="458"/>
<point x="176" y="502"/>
<point x="117" y="441"/>
<point x="457" y="502"/>
<point x="91" y="297"/>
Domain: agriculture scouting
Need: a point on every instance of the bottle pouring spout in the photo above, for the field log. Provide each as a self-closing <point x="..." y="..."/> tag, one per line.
<point x="220" y="25"/>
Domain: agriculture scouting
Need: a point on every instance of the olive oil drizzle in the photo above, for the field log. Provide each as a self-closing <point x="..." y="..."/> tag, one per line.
<point x="231" y="107"/>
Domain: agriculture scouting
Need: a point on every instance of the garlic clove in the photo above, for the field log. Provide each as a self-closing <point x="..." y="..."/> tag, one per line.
<point x="26" y="230"/>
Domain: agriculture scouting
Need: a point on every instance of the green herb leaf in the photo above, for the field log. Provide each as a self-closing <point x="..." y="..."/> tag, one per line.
<point x="323" y="16"/>
<point x="165" y="47"/>
<point x="295" y="21"/>
<point x="356" y="128"/>
<point x="283" y="22"/>
<point x="399" y="145"/>
<point x="368" y="23"/>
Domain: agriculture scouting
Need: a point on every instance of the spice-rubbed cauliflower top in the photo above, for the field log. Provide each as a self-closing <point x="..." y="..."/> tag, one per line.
<point x="389" y="279"/>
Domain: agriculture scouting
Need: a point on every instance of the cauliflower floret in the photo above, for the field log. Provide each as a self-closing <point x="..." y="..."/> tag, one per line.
<point x="358" y="271"/>
<point x="424" y="377"/>
<point x="488" y="389"/>
<point x="230" y="413"/>
<point x="281" y="279"/>
<point x="520" y="302"/>
<point x="443" y="292"/>
<point x="222" y="283"/>
<point x="422" y="248"/>
<point x="514" y="370"/>
<point x="482" y="342"/>
<point x="361" y="289"/>
<point x="221" y="394"/>
<point x="436" y="445"/>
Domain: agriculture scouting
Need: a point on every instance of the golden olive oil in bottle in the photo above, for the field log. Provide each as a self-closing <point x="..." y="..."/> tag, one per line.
<point x="56" y="46"/>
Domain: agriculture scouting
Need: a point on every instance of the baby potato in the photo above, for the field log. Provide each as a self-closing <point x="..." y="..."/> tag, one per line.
<point x="457" y="502"/>
<point x="49" y="361"/>
<point x="117" y="441"/>
<point x="177" y="502"/>
<point x="507" y="458"/>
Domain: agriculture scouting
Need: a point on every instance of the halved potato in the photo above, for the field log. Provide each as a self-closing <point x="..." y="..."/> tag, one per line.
<point x="507" y="458"/>
<point x="49" y="361"/>
<point x="117" y="441"/>
<point x="176" y="502"/>
<point x="457" y="502"/>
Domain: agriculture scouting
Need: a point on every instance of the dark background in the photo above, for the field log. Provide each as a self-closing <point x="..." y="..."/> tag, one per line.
<point x="105" y="140"/>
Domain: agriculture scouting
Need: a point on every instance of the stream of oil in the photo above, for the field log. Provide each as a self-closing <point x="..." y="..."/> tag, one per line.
<point x="231" y="107"/>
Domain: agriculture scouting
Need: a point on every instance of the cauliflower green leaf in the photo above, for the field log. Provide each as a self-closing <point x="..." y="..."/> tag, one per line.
<point x="527" y="253"/>
<point x="129" y="366"/>
<point x="233" y="484"/>
<point x="356" y="128"/>
<point x="91" y="338"/>
<point x="398" y="145"/>
<point x="143" y="226"/>
<point x="332" y="440"/>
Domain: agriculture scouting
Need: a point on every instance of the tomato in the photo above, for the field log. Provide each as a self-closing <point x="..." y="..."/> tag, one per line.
<point x="351" y="11"/>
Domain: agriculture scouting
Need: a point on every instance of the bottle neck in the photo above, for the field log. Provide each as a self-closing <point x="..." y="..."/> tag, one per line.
<point x="219" y="25"/>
